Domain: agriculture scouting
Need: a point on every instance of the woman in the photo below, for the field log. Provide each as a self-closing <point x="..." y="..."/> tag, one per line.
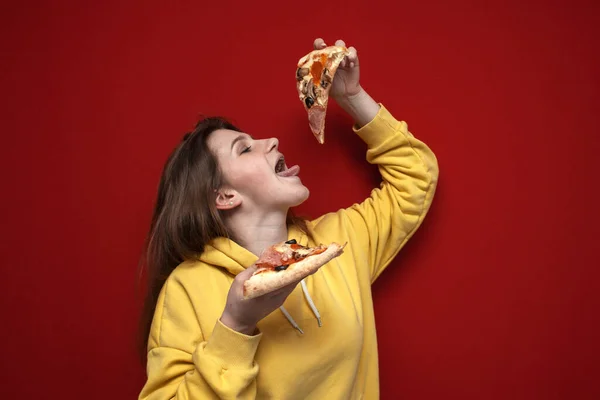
<point x="220" y="204"/>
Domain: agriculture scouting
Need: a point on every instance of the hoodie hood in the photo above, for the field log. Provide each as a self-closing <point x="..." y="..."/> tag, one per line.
<point x="226" y="254"/>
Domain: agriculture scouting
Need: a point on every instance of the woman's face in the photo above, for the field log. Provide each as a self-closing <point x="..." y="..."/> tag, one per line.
<point x="252" y="172"/>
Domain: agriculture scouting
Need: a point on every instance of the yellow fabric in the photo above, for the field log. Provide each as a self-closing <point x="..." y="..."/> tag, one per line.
<point x="193" y="356"/>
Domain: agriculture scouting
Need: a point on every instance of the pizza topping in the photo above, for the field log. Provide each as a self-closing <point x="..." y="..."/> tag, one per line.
<point x="280" y="257"/>
<point x="309" y="89"/>
<point x="272" y="258"/>
<point x="301" y="73"/>
<point x="311" y="92"/>
<point x="316" y="119"/>
<point x="305" y="252"/>
<point x="316" y="69"/>
<point x="326" y="79"/>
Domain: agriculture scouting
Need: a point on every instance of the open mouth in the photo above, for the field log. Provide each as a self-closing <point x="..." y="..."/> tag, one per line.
<point x="283" y="171"/>
<point x="280" y="166"/>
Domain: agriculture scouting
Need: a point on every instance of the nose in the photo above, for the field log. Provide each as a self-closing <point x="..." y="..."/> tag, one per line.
<point x="272" y="144"/>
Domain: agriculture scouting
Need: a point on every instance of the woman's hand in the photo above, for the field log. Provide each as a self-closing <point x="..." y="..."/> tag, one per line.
<point x="346" y="80"/>
<point x="346" y="89"/>
<point x="242" y="315"/>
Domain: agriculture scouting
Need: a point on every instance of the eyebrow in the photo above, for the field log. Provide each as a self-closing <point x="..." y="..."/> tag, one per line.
<point x="240" y="137"/>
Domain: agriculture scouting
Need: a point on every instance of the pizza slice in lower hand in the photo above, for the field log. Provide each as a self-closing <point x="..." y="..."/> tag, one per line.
<point x="314" y="76"/>
<point x="286" y="263"/>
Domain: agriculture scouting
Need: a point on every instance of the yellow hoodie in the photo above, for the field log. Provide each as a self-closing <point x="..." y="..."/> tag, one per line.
<point x="191" y="355"/>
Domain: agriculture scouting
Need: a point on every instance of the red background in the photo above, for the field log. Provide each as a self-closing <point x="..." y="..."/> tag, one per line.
<point x="495" y="297"/>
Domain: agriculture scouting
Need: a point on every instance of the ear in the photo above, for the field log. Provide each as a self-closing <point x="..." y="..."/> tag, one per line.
<point x="227" y="199"/>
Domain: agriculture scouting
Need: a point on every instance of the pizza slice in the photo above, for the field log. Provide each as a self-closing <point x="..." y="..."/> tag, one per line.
<point x="314" y="76"/>
<point x="285" y="263"/>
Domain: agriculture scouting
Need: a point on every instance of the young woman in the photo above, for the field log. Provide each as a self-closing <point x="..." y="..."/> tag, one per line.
<point x="220" y="204"/>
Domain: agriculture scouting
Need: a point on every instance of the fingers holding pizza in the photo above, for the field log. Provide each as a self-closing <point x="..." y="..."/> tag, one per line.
<point x="243" y="315"/>
<point x="347" y="79"/>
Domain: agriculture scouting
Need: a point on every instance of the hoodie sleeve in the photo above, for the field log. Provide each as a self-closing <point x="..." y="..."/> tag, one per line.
<point x="184" y="364"/>
<point x="381" y="225"/>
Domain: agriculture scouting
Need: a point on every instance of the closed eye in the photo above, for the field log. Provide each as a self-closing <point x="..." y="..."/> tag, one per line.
<point x="246" y="150"/>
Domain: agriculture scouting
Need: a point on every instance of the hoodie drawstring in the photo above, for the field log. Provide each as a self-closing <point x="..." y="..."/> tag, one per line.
<point x="289" y="318"/>
<point x="310" y="303"/>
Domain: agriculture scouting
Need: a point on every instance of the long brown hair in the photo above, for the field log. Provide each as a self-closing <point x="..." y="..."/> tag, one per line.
<point x="185" y="217"/>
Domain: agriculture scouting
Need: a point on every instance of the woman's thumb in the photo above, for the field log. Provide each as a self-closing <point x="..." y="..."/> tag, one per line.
<point x="247" y="273"/>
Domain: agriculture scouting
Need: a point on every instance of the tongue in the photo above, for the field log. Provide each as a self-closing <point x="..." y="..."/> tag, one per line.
<point x="292" y="171"/>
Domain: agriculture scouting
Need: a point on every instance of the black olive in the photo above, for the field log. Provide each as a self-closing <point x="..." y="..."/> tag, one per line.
<point x="281" y="267"/>
<point x="309" y="101"/>
<point x="291" y="241"/>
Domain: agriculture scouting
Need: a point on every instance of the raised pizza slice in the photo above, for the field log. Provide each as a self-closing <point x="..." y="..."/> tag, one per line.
<point x="314" y="76"/>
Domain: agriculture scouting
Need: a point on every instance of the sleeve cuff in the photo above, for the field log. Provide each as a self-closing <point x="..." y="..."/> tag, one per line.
<point x="233" y="349"/>
<point x="380" y="128"/>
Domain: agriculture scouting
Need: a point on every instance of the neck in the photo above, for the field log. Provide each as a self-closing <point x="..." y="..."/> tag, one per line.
<point x="255" y="231"/>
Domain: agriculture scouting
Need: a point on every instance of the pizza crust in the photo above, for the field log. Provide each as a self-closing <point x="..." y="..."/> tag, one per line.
<point x="270" y="281"/>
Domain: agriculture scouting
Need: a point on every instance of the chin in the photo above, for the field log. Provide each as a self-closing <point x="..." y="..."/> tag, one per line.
<point x="300" y="197"/>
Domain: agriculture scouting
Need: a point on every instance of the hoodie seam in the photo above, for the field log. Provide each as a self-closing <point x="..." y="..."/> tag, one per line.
<point x="162" y="313"/>
<point x="422" y="212"/>
<point x="170" y="348"/>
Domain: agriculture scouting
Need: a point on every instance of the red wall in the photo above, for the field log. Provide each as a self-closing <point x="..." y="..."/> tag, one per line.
<point x="496" y="296"/>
